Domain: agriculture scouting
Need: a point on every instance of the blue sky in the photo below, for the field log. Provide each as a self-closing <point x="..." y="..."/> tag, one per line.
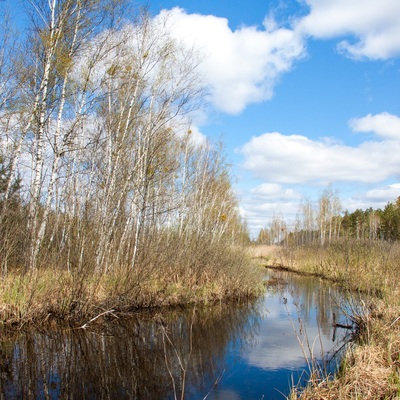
<point x="304" y="94"/>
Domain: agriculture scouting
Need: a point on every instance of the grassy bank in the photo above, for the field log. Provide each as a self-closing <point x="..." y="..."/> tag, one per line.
<point x="51" y="295"/>
<point x="371" y="367"/>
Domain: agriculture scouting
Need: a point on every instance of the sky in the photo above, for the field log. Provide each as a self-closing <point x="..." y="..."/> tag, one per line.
<point x="305" y="95"/>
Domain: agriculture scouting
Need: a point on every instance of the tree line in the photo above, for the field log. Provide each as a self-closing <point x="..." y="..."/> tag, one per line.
<point x="99" y="166"/>
<point x="324" y="222"/>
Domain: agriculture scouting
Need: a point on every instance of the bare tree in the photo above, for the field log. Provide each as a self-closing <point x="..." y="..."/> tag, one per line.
<point x="150" y="86"/>
<point x="308" y="220"/>
<point x="328" y="214"/>
<point x="59" y="31"/>
<point x="117" y="178"/>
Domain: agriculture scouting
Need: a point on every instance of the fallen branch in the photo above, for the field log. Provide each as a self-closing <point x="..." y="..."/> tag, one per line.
<point x="84" y="326"/>
<point x="343" y="326"/>
<point x="339" y="325"/>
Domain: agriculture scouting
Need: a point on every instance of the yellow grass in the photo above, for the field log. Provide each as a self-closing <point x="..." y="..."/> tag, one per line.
<point x="262" y="251"/>
<point x="52" y="295"/>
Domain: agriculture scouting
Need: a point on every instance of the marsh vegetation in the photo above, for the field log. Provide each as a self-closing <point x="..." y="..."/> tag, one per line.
<point x="242" y="350"/>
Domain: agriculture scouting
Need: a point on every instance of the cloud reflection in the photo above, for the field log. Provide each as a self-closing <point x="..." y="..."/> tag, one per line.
<point x="293" y="330"/>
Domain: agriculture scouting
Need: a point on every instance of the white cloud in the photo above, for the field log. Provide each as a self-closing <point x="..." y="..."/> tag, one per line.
<point x="383" y="124"/>
<point x="283" y="160"/>
<point x="278" y="158"/>
<point x="274" y="191"/>
<point x="374" y="24"/>
<point x="376" y="198"/>
<point x="241" y="66"/>
<point x="384" y="194"/>
<point x="259" y="212"/>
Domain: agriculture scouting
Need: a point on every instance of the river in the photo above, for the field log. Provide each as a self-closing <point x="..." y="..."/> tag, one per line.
<point x="249" y="351"/>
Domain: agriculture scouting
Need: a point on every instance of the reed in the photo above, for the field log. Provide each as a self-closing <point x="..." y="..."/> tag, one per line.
<point x="370" y="368"/>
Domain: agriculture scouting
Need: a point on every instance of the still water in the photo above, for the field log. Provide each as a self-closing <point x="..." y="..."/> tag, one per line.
<point x="250" y="351"/>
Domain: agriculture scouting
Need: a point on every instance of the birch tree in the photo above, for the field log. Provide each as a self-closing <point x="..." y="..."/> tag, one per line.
<point x="10" y="211"/>
<point x="149" y="86"/>
<point x="328" y="214"/>
<point x="60" y="28"/>
<point x="104" y="111"/>
<point x="308" y="223"/>
<point x="9" y="98"/>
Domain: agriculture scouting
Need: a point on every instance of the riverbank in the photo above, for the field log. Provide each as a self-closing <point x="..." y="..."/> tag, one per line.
<point x="79" y="298"/>
<point x="370" y="369"/>
<point x="245" y="350"/>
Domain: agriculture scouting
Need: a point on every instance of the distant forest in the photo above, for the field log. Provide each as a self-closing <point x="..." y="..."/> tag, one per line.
<point x="327" y="222"/>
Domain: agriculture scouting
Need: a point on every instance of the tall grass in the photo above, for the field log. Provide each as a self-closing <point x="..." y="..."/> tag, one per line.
<point x="370" y="369"/>
<point x="364" y="265"/>
<point x="210" y="273"/>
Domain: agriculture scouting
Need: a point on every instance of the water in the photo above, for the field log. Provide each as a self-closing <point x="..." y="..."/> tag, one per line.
<point x="250" y="351"/>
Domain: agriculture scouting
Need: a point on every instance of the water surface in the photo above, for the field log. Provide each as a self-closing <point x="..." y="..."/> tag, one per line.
<point x="249" y="351"/>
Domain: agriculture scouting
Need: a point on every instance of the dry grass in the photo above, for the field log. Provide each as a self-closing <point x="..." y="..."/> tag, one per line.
<point x="53" y="295"/>
<point x="367" y="266"/>
<point x="262" y="251"/>
<point x="370" y="369"/>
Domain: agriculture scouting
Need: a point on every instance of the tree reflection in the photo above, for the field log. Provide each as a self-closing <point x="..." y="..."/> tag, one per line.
<point x="180" y="354"/>
<point x="127" y="359"/>
<point x="316" y="299"/>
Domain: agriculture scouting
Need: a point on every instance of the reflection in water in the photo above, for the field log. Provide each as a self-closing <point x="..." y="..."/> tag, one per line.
<point x="298" y="324"/>
<point x="246" y="351"/>
<point x="143" y="358"/>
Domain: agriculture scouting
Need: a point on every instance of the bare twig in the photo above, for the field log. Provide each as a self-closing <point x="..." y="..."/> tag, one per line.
<point x="394" y="322"/>
<point x="84" y="326"/>
<point x="215" y="384"/>
<point x="164" y="335"/>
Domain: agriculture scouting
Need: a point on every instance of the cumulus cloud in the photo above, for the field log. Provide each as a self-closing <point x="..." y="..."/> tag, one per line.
<point x="284" y="161"/>
<point x="240" y="66"/>
<point x="274" y="191"/>
<point x="297" y="159"/>
<point x="375" y="25"/>
<point x="376" y="198"/>
<point x="382" y="194"/>
<point x="383" y="124"/>
<point x="259" y="212"/>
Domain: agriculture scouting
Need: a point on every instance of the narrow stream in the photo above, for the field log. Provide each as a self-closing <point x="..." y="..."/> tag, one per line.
<point x="248" y="351"/>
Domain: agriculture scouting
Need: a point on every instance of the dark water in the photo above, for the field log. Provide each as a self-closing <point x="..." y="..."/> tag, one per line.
<point x="251" y="351"/>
